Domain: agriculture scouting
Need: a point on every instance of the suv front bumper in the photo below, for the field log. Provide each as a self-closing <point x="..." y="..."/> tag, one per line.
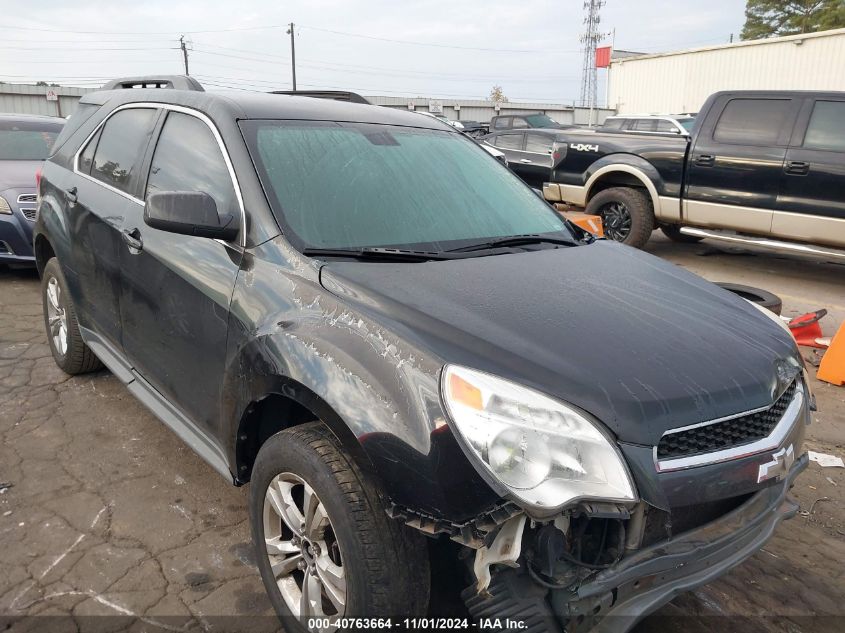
<point x="16" y="230"/>
<point x="615" y="599"/>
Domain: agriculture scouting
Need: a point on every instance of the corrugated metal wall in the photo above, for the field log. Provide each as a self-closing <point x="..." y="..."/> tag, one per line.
<point x="27" y="99"/>
<point x="681" y="82"/>
<point x="480" y="110"/>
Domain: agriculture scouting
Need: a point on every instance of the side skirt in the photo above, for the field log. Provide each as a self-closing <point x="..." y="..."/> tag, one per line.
<point x="201" y="443"/>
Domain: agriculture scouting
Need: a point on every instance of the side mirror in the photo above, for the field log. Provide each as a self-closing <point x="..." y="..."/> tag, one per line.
<point x="189" y="213"/>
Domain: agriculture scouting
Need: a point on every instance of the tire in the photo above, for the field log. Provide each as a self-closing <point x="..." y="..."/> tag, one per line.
<point x="70" y="352"/>
<point x="626" y="213"/>
<point x="759" y="296"/>
<point x="673" y="232"/>
<point x="384" y="563"/>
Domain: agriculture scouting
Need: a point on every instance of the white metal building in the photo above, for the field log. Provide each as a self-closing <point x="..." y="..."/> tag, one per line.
<point x="681" y="81"/>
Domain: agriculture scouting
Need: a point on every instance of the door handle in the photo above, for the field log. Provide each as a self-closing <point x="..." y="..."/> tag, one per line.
<point x="70" y="195"/>
<point x="797" y="168"/>
<point x="132" y="238"/>
<point x="524" y="160"/>
<point x="705" y="160"/>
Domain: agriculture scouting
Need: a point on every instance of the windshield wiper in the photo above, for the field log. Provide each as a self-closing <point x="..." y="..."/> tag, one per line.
<point x="514" y="240"/>
<point x="384" y="254"/>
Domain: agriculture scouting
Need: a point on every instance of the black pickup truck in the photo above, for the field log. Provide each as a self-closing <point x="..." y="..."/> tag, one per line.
<point x="764" y="168"/>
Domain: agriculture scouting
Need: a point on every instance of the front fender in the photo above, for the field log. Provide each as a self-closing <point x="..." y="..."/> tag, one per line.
<point x="384" y="390"/>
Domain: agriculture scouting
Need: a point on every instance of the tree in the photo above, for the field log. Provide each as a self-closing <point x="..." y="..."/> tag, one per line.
<point x="497" y="95"/>
<point x="769" y="18"/>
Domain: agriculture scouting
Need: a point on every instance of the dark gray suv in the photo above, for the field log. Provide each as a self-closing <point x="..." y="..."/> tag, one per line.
<point x="400" y="347"/>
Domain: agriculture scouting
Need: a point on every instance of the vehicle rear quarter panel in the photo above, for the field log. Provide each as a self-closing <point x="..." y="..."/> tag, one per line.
<point x="286" y="329"/>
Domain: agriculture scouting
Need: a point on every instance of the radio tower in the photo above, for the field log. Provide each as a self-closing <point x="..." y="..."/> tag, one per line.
<point x="589" y="87"/>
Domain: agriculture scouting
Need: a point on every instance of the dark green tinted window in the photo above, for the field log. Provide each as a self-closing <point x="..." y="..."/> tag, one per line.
<point x="353" y="185"/>
<point x="121" y="147"/>
<point x="826" y="129"/>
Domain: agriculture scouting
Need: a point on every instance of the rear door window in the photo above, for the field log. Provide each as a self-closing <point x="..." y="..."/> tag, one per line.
<point x="752" y="121"/>
<point x="121" y="148"/>
<point x="644" y="125"/>
<point x="188" y="158"/>
<point x="502" y="123"/>
<point x="538" y="143"/>
<point x="826" y="129"/>
<point x="509" y="141"/>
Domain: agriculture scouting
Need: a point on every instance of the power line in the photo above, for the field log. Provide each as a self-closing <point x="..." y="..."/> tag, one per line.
<point x="430" y="44"/>
<point x="46" y="30"/>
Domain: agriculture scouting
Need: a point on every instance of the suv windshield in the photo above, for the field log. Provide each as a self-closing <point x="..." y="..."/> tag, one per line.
<point x="26" y="140"/>
<point x="353" y="185"/>
<point x="541" y="120"/>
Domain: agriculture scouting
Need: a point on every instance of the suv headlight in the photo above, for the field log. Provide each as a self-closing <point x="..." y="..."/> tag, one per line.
<point x="545" y="453"/>
<point x="5" y="209"/>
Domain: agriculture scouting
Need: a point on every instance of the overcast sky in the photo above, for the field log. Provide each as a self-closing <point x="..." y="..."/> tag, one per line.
<point x="433" y="48"/>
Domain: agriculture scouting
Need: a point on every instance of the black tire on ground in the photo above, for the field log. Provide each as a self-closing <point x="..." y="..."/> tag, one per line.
<point x="673" y="232"/>
<point x="76" y="357"/>
<point x="385" y="563"/>
<point x="759" y="296"/>
<point x="627" y="215"/>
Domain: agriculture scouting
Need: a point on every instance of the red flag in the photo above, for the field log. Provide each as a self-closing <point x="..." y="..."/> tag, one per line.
<point x="603" y="56"/>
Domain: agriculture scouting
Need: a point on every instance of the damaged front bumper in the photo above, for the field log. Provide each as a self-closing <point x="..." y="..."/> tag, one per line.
<point x="616" y="598"/>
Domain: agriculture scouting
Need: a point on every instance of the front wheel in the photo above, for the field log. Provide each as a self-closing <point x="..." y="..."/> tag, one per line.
<point x="626" y="215"/>
<point x="324" y="543"/>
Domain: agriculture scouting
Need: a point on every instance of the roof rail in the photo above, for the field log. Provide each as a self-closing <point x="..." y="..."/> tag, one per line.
<point x="174" y="82"/>
<point x="336" y="95"/>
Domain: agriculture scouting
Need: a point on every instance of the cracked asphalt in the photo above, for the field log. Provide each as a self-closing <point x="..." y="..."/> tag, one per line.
<point x="105" y="512"/>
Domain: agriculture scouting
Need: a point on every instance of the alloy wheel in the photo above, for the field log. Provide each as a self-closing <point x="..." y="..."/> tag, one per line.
<point x="616" y="219"/>
<point x="56" y="316"/>
<point x="304" y="554"/>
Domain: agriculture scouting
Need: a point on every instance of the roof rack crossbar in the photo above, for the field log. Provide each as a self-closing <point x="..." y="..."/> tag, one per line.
<point x="336" y="95"/>
<point x="173" y="82"/>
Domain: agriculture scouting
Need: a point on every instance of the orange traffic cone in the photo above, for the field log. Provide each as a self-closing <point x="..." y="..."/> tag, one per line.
<point x="832" y="367"/>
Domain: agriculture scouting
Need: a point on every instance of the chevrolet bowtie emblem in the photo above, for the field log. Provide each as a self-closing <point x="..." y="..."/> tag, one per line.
<point x="778" y="466"/>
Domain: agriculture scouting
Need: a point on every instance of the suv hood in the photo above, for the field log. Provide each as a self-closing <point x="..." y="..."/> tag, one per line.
<point x="641" y="344"/>
<point x="16" y="174"/>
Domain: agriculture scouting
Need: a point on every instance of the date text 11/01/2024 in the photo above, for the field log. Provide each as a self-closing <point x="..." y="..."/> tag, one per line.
<point x="415" y="624"/>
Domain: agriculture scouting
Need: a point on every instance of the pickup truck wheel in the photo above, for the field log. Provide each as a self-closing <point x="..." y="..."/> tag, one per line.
<point x="70" y="352"/>
<point x="626" y="215"/>
<point x="324" y="543"/>
<point x="673" y="232"/>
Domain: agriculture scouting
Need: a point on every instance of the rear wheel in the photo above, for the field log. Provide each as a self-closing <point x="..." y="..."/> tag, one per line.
<point x="325" y="545"/>
<point x="626" y="214"/>
<point x="673" y="232"/>
<point x="70" y="352"/>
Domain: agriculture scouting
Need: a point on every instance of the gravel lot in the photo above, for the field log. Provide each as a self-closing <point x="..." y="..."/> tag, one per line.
<point x="104" y="512"/>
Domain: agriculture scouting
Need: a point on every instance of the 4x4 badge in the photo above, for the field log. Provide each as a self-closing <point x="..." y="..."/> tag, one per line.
<point x="778" y="466"/>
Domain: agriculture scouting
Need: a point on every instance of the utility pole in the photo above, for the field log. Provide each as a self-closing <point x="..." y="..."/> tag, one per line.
<point x="292" y="56"/>
<point x="184" y="52"/>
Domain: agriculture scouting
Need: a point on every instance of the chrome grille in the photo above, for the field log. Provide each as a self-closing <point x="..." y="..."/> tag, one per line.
<point x="718" y="436"/>
<point x="27" y="198"/>
<point x="30" y="214"/>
